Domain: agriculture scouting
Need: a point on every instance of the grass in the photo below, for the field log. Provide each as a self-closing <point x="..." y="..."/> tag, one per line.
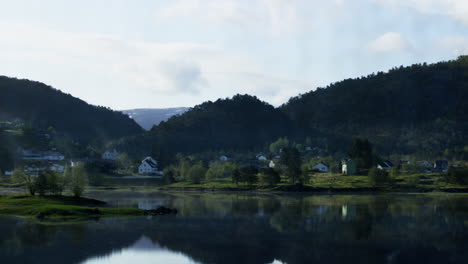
<point x="329" y="181"/>
<point x="61" y="207"/>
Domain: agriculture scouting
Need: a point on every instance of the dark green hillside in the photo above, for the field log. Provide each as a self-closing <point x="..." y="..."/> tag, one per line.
<point x="42" y="106"/>
<point x="240" y="123"/>
<point x="404" y="110"/>
<point x="421" y="109"/>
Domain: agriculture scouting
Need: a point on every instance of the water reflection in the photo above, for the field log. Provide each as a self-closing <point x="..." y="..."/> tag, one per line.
<point x="141" y="252"/>
<point x="217" y="228"/>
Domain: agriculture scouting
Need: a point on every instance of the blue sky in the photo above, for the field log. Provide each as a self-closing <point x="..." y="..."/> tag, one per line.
<point x="148" y="53"/>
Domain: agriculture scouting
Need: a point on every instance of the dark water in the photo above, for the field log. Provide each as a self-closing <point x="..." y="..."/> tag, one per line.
<point x="254" y="229"/>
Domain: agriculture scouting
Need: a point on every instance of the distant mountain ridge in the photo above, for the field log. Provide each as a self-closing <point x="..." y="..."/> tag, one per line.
<point x="42" y="106"/>
<point x="149" y="117"/>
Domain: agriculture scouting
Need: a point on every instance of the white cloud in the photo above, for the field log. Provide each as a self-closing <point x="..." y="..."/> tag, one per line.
<point x="273" y="16"/>
<point x="457" y="44"/>
<point x="389" y="42"/>
<point x="109" y="70"/>
<point x="457" y="9"/>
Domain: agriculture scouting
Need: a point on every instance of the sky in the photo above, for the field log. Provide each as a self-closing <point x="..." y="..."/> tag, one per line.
<point x="126" y="54"/>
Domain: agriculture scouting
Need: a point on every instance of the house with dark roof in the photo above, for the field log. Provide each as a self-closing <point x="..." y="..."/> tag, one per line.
<point x="148" y="166"/>
<point x="441" y="165"/>
<point x="385" y="165"/>
<point x="322" y="167"/>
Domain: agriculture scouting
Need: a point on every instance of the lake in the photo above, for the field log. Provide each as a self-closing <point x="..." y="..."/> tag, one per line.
<point x="247" y="228"/>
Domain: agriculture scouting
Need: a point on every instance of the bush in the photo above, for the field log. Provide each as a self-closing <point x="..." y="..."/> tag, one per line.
<point x="196" y="173"/>
<point x="457" y="176"/>
<point x="378" y="177"/>
<point x="79" y="179"/>
<point x="270" y="177"/>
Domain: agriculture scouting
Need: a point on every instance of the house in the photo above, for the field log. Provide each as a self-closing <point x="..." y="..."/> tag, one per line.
<point x="57" y="168"/>
<point x="272" y="164"/>
<point x="385" y="165"/>
<point x="110" y="155"/>
<point x="441" y="165"/>
<point x="425" y="164"/>
<point x="223" y="158"/>
<point x="41" y="155"/>
<point x="348" y="167"/>
<point x="261" y="157"/>
<point x="148" y="166"/>
<point x="321" y="167"/>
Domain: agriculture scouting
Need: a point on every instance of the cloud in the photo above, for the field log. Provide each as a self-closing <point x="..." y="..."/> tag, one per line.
<point x="389" y="42"/>
<point x="109" y="70"/>
<point x="457" y="9"/>
<point x="457" y="44"/>
<point x="276" y="17"/>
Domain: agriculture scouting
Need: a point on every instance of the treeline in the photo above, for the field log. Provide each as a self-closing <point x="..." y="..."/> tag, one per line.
<point x="43" y="107"/>
<point x="73" y="179"/>
<point x="421" y="109"/>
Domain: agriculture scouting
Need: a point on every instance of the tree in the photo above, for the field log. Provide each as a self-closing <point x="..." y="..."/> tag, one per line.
<point x="248" y="174"/>
<point x="41" y="184"/>
<point x="279" y="144"/>
<point x="270" y="177"/>
<point x="361" y="153"/>
<point x="124" y="161"/>
<point x="55" y="182"/>
<point x="169" y="174"/>
<point x="78" y="179"/>
<point x="216" y="170"/>
<point x="197" y="173"/>
<point x="236" y="176"/>
<point x="19" y="176"/>
<point x="394" y="172"/>
<point x="378" y="177"/>
<point x="291" y="158"/>
<point x="457" y="176"/>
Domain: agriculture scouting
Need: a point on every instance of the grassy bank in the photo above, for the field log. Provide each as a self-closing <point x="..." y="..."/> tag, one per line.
<point x="320" y="182"/>
<point x="63" y="207"/>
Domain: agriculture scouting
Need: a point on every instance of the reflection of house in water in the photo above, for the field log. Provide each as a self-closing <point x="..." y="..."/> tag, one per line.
<point x="348" y="211"/>
<point x="323" y="209"/>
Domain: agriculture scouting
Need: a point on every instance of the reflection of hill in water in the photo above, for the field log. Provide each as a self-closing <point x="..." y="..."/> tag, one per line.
<point x="260" y="230"/>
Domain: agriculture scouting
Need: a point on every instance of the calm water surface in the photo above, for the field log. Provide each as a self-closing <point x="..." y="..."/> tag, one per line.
<point x="222" y="228"/>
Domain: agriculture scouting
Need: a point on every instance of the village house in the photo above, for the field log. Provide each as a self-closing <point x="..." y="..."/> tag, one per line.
<point x="149" y="166"/>
<point x="41" y="155"/>
<point x="348" y="167"/>
<point x="261" y="157"/>
<point x="441" y="165"/>
<point x="322" y="167"/>
<point x="110" y="155"/>
<point x="385" y="165"/>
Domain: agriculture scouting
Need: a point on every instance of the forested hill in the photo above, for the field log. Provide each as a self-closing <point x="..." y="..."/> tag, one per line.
<point x="416" y="109"/>
<point x="238" y="123"/>
<point x="408" y="109"/>
<point x="42" y="106"/>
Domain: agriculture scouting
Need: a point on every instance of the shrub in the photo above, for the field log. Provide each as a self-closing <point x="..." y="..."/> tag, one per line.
<point x="378" y="177"/>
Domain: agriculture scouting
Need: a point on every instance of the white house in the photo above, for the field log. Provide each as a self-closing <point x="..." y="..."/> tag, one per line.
<point x="261" y="157"/>
<point x="384" y="165"/>
<point x="148" y="166"/>
<point x="321" y="167"/>
<point x="272" y="164"/>
<point x="110" y="155"/>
